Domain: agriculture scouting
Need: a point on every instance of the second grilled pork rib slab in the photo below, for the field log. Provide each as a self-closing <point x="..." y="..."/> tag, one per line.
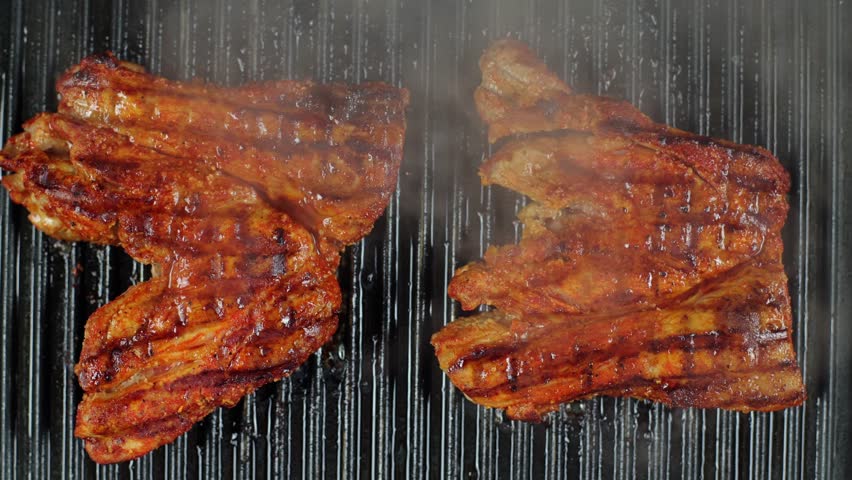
<point x="242" y="198"/>
<point x="650" y="264"/>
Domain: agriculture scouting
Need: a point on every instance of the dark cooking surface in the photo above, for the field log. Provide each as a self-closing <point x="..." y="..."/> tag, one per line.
<point x="776" y="74"/>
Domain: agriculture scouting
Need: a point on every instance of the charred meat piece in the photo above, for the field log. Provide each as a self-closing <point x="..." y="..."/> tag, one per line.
<point x="242" y="198"/>
<point x="650" y="264"/>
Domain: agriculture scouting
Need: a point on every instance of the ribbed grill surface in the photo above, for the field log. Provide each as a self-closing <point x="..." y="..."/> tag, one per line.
<point x="374" y="404"/>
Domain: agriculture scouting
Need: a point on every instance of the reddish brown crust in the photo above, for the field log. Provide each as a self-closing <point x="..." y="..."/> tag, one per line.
<point x="242" y="198"/>
<point x="650" y="264"/>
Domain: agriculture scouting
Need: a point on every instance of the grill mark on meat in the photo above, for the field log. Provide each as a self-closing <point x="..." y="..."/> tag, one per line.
<point x="663" y="144"/>
<point x="303" y="124"/>
<point x="306" y="208"/>
<point x="170" y="300"/>
<point x="484" y="353"/>
<point x="682" y="391"/>
<point x="623" y="350"/>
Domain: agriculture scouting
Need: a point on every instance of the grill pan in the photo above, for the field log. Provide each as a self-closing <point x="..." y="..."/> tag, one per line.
<point x="373" y="403"/>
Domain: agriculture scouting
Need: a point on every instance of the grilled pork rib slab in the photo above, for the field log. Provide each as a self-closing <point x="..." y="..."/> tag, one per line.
<point x="650" y="264"/>
<point x="242" y="198"/>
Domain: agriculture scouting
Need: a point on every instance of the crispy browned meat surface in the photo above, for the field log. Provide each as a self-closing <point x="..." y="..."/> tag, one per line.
<point x="243" y="199"/>
<point x="650" y="264"/>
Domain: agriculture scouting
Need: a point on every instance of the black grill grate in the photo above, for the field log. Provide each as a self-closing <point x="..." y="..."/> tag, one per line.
<point x="373" y="403"/>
